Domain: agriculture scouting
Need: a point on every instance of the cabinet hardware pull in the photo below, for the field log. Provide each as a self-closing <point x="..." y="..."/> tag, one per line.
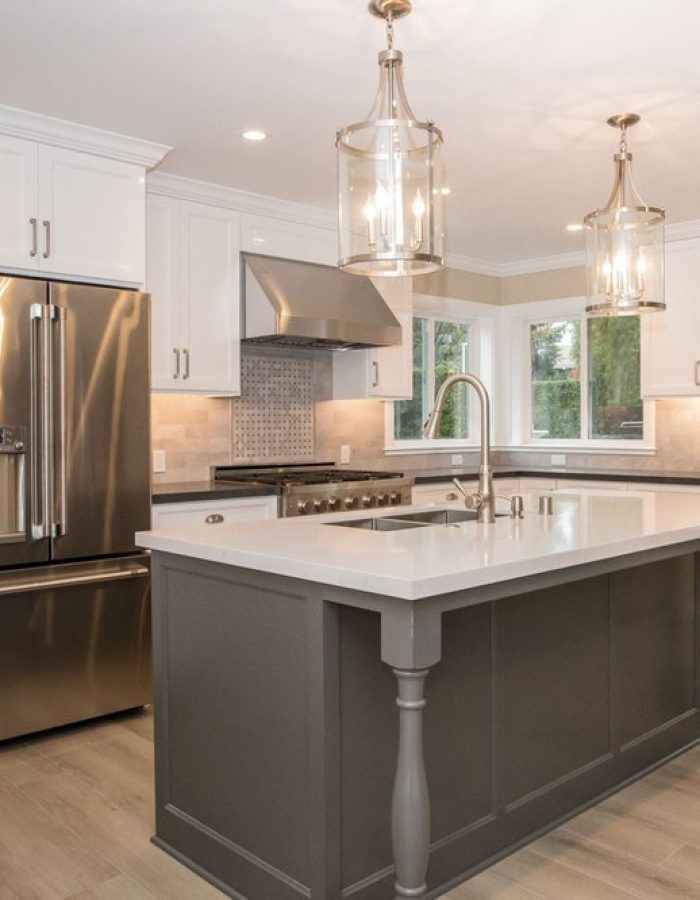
<point x="697" y="376"/>
<point x="33" y="251"/>
<point x="176" y="373"/>
<point x="452" y="496"/>
<point x="214" y="519"/>
<point x="47" y="228"/>
<point x="186" y="354"/>
<point x="375" y="365"/>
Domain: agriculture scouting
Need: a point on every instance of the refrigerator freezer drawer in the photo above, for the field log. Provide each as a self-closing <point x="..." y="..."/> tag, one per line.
<point x="74" y="643"/>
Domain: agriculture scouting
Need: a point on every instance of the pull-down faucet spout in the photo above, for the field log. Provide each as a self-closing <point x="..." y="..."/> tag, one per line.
<point x="483" y="500"/>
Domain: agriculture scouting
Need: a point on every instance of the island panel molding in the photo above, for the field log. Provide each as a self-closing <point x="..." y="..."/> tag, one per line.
<point x="279" y="743"/>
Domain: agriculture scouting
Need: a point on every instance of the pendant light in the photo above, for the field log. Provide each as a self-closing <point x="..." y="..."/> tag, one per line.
<point x="390" y="188"/>
<point x="624" y="244"/>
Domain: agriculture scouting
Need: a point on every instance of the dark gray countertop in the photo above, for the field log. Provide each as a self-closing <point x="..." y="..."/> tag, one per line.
<point x="210" y="490"/>
<point x="178" y="492"/>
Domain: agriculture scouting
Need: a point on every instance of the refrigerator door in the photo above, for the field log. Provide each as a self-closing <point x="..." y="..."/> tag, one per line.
<point x="24" y="476"/>
<point x="100" y="446"/>
<point x="74" y="642"/>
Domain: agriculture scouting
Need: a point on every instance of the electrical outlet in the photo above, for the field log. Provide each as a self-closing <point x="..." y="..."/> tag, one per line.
<point x="159" y="460"/>
<point x="345" y="453"/>
<point x="457" y="459"/>
<point x="558" y="459"/>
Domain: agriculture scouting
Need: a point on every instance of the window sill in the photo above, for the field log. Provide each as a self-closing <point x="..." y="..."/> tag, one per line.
<point x="616" y="450"/>
<point x="429" y="448"/>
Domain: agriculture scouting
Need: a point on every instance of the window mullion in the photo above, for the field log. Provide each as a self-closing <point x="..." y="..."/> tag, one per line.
<point x="584" y="380"/>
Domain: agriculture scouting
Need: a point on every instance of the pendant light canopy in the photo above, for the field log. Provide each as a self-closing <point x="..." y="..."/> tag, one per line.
<point x="390" y="198"/>
<point x="624" y="244"/>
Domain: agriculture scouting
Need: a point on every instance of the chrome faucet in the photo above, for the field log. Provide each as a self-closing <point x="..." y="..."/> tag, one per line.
<point x="483" y="501"/>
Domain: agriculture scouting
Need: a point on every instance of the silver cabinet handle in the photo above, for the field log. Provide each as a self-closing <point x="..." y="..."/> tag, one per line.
<point x="47" y="231"/>
<point x="697" y="375"/>
<point x="214" y="519"/>
<point x="186" y="373"/>
<point x="60" y="525"/>
<point x="33" y="251"/>
<point x="375" y="366"/>
<point x="176" y="373"/>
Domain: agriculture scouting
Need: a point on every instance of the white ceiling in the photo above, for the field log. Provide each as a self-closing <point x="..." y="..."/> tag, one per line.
<point x="521" y="89"/>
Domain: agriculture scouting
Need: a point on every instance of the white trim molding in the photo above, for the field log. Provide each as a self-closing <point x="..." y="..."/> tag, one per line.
<point x="21" y="123"/>
<point x="182" y="188"/>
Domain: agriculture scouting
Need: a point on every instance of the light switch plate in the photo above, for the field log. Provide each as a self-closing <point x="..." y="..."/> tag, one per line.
<point x="457" y="459"/>
<point x="558" y="459"/>
<point x="159" y="460"/>
<point x="345" y="453"/>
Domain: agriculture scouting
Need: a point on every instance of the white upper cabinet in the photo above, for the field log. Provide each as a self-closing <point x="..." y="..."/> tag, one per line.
<point x="384" y="373"/>
<point x="73" y="199"/>
<point x="289" y="240"/>
<point x="19" y="211"/>
<point x="671" y="339"/>
<point x="193" y="278"/>
<point x="91" y="216"/>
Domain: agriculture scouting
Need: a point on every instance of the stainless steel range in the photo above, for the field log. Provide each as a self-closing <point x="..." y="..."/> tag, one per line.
<point x="314" y="488"/>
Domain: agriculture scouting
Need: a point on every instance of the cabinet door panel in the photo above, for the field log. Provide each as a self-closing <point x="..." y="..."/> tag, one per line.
<point x="162" y="283"/>
<point x="95" y="208"/>
<point x="18" y="186"/>
<point x="671" y="339"/>
<point x="249" y="509"/>
<point x="209" y="276"/>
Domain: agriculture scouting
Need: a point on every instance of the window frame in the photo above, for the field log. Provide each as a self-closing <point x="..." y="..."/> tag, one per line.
<point x="481" y="346"/>
<point x="521" y="381"/>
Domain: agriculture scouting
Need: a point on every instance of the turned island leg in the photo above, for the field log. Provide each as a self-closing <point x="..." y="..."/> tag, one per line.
<point x="410" y="814"/>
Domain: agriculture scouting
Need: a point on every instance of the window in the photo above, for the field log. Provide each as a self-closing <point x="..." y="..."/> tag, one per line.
<point x="585" y="380"/>
<point x="441" y="347"/>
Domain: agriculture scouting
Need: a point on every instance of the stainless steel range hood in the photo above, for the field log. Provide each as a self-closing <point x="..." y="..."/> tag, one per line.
<point x="298" y="304"/>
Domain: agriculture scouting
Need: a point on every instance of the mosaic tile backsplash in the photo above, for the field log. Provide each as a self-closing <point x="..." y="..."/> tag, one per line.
<point x="273" y="419"/>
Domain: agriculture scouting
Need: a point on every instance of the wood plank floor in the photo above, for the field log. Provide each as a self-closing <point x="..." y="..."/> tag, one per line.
<point x="76" y="815"/>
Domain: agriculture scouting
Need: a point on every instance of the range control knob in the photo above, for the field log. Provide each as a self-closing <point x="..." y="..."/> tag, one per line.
<point x="395" y="499"/>
<point x="318" y="505"/>
<point x="366" y="500"/>
<point x="303" y="507"/>
<point x="350" y="502"/>
<point x="333" y="503"/>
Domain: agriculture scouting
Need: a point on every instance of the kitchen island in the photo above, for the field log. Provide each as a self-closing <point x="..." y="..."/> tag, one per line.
<point x="539" y="664"/>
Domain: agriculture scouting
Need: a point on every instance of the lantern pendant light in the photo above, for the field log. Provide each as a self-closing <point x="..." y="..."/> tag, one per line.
<point x="624" y="244"/>
<point x="390" y="197"/>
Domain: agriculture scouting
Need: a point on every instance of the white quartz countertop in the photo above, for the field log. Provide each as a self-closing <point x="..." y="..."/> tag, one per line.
<point x="413" y="563"/>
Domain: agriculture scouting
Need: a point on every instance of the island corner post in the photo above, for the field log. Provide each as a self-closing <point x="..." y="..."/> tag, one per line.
<point x="285" y="708"/>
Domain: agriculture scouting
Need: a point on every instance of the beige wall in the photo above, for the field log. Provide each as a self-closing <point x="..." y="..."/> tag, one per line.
<point x="552" y="285"/>
<point x="459" y="285"/>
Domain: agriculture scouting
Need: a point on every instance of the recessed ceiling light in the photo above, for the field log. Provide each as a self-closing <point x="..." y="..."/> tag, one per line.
<point x="575" y="226"/>
<point x="253" y="134"/>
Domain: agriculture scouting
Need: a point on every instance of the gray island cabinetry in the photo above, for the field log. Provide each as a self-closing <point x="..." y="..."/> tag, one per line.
<point x="378" y="714"/>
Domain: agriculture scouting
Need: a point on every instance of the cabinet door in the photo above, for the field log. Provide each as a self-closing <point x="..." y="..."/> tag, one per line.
<point x="18" y="211"/>
<point x="290" y="240"/>
<point x="95" y="210"/>
<point x="671" y="339"/>
<point x="209" y="284"/>
<point x="441" y="493"/>
<point x="162" y="283"/>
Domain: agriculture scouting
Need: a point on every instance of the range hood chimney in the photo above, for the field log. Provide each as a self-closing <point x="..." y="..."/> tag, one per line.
<point x="299" y="304"/>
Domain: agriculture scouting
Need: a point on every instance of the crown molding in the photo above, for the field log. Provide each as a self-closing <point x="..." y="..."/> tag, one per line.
<point x="21" y="123"/>
<point x="542" y="264"/>
<point x="472" y="264"/>
<point x="182" y="188"/>
<point x="680" y="231"/>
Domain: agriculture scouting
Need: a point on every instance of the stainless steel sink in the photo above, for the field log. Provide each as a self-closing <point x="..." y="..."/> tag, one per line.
<point x="440" y="516"/>
<point x="380" y="523"/>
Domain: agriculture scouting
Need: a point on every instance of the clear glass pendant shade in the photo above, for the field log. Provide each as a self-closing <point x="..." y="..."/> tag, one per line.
<point x="390" y="181"/>
<point x="625" y="249"/>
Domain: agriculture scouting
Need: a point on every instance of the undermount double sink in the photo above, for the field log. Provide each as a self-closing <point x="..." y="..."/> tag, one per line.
<point x="410" y="520"/>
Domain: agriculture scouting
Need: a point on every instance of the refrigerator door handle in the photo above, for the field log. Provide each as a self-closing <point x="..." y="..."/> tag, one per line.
<point x="59" y="525"/>
<point x="38" y="486"/>
<point x="22" y="584"/>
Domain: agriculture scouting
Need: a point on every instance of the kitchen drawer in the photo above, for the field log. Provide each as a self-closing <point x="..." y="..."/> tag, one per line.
<point x="167" y="515"/>
<point x="537" y="484"/>
<point x="580" y="484"/>
<point x="443" y="492"/>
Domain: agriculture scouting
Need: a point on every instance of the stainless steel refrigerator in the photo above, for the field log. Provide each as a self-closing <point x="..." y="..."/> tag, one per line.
<point x="74" y="488"/>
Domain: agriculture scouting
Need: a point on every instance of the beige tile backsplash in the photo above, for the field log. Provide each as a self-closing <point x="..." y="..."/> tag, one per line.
<point x="278" y="419"/>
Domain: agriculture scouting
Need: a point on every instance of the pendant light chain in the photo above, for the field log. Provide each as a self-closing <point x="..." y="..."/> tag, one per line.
<point x="390" y="31"/>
